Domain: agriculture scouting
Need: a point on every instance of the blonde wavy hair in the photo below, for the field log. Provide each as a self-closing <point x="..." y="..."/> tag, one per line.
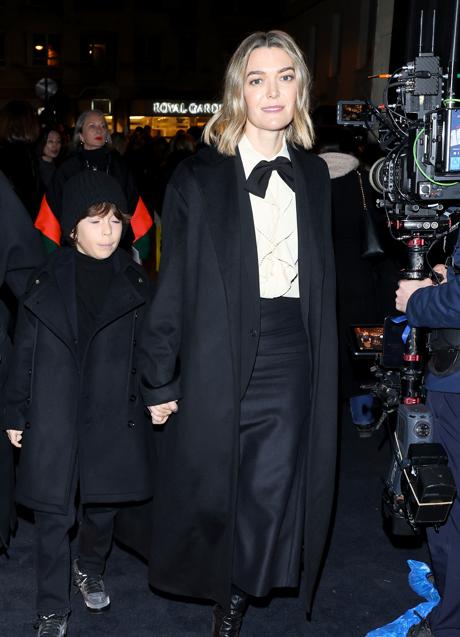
<point x="225" y="128"/>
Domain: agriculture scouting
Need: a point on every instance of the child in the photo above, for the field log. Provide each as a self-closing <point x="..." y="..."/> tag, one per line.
<point x="72" y="396"/>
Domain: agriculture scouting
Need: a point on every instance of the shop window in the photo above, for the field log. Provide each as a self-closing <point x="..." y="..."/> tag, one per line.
<point x="98" y="50"/>
<point x="103" y="105"/>
<point x="46" y="49"/>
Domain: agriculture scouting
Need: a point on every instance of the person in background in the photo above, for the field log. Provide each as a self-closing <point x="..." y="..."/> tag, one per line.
<point x="19" y="130"/>
<point x="48" y="149"/>
<point x="238" y="355"/>
<point x="119" y="143"/>
<point x="72" y="397"/>
<point x="437" y="307"/>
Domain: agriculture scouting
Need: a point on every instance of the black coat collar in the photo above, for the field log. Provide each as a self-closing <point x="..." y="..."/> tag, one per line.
<point x="52" y="295"/>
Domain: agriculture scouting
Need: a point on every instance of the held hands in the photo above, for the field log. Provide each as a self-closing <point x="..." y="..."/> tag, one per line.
<point x="406" y="289"/>
<point x="161" y="413"/>
<point x="15" y="437"/>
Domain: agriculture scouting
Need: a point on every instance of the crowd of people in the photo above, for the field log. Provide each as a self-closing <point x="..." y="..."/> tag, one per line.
<point x="207" y="395"/>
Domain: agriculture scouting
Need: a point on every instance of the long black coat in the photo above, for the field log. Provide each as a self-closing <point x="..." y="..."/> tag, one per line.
<point x="89" y="409"/>
<point x="21" y="251"/>
<point x="199" y="342"/>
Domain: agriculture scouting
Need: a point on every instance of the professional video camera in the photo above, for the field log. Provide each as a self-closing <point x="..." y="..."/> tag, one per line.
<point x="418" y="127"/>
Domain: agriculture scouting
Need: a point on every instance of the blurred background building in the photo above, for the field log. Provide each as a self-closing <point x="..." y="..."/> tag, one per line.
<point x="160" y="62"/>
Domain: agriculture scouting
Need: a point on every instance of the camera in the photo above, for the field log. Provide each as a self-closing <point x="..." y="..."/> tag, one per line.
<point x="419" y="489"/>
<point x="418" y="181"/>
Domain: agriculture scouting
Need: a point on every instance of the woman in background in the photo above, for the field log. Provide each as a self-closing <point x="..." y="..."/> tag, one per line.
<point x="48" y="150"/>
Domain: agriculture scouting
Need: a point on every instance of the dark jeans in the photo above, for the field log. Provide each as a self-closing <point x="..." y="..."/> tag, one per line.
<point x="53" y="561"/>
<point x="445" y="544"/>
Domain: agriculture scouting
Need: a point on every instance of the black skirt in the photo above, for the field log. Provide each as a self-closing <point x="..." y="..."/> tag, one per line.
<point x="271" y="490"/>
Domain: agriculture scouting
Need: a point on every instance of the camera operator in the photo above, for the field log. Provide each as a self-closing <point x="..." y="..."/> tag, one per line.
<point x="436" y="305"/>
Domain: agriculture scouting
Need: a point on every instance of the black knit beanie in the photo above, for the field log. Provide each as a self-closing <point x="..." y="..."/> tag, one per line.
<point x="85" y="189"/>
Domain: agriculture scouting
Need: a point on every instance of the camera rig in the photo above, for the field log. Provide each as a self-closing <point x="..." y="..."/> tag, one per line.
<point x="418" y="179"/>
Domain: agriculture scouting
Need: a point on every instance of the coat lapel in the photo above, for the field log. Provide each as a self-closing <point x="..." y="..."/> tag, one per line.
<point x="222" y="213"/>
<point x="53" y="299"/>
<point x="248" y="236"/>
<point x="310" y="256"/>
<point x="122" y="298"/>
<point x="230" y="220"/>
<point x="231" y="224"/>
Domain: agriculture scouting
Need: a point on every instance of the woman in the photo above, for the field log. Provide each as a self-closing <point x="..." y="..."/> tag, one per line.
<point x="93" y="152"/>
<point x="239" y="347"/>
<point x="48" y="149"/>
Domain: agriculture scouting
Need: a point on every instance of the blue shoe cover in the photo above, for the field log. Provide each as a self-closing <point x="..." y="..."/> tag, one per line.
<point x="422" y="586"/>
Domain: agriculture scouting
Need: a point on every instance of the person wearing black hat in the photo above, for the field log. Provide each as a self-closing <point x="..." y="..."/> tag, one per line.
<point x="72" y="402"/>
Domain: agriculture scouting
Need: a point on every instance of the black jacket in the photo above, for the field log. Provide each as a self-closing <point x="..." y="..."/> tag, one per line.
<point x="85" y="410"/>
<point x="21" y="251"/>
<point x="199" y="344"/>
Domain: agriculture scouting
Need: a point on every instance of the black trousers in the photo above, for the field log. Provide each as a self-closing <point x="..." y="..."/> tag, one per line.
<point x="445" y="544"/>
<point x="53" y="557"/>
<point x="271" y="490"/>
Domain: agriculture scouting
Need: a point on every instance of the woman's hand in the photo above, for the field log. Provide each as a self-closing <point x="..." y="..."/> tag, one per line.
<point x="161" y="413"/>
<point x="15" y="437"/>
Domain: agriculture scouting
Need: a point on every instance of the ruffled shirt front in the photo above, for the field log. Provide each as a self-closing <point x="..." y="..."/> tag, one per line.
<point x="275" y="222"/>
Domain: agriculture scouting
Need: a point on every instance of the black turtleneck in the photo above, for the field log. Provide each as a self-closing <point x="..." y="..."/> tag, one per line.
<point x="93" y="278"/>
<point x="97" y="159"/>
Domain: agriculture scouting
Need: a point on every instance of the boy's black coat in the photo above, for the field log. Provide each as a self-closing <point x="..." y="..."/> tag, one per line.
<point x="86" y="411"/>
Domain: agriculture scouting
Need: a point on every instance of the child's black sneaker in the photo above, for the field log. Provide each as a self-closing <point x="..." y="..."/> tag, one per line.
<point x="92" y="588"/>
<point x="52" y="626"/>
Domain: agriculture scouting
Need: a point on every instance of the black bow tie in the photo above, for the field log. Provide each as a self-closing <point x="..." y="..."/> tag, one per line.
<point x="257" y="182"/>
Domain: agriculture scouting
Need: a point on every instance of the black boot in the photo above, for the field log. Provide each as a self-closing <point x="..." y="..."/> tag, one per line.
<point x="227" y="623"/>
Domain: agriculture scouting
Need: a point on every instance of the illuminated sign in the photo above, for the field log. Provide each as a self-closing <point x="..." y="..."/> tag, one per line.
<point x="185" y="108"/>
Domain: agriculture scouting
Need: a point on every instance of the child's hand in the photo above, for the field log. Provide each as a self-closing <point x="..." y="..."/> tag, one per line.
<point x="15" y="437"/>
<point x="161" y="413"/>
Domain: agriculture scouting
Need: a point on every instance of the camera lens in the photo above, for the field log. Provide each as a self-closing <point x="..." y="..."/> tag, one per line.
<point x="376" y="175"/>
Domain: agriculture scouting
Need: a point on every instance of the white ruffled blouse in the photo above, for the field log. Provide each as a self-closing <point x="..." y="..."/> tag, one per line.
<point x="275" y="222"/>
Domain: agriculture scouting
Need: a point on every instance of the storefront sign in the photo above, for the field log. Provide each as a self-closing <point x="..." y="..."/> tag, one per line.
<point x="185" y="108"/>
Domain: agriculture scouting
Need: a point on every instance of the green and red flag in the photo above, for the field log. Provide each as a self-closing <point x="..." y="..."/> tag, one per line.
<point x="49" y="226"/>
<point x="142" y="225"/>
